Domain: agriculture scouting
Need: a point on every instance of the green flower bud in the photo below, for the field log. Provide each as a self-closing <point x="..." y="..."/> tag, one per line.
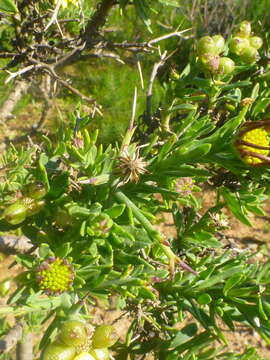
<point x="256" y="42"/>
<point x="15" y="213"/>
<point x="33" y="206"/>
<point x="245" y="29"/>
<point x="35" y="190"/>
<point x="73" y="332"/>
<point x="219" y="43"/>
<point x="100" y="354"/>
<point x="226" y="66"/>
<point x="58" y="351"/>
<point x="249" y="55"/>
<point x="84" y="356"/>
<point x="210" y="63"/>
<point x="206" y="45"/>
<point x="238" y="44"/>
<point x="104" y="336"/>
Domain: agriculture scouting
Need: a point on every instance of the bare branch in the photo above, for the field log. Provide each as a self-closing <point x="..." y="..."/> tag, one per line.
<point x="8" y="55"/>
<point x="167" y="36"/>
<point x="12" y="75"/>
<point x="8" y="106"/>
<point x="10" y="244"/>
<point x="147" y="45"/>
<point x="97" y="20"/>
<point x="24" y="349"/>
<point x="50" y="70"/>
<point x="151" y="82"/>
<point x="54" y="15"/>
<point x="11" y="339"/>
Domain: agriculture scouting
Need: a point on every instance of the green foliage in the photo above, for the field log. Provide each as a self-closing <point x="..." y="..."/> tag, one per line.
<point x="96" y="230"/>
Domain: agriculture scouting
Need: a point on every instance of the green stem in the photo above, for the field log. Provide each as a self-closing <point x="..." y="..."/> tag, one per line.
<point x="153" y="233"/>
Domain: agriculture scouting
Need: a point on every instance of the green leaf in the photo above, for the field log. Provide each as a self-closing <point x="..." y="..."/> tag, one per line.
<point x="194" y="344"/>
<point x="204" y="239"/>
<point x="63" y="250"/>
<point x="184" y="335"/>
<point x="43" y="160"/>
<point x="186" y="170"/>
<point x="44" y="251"/>
<point x="58" y="185"/>
<point x="8" y="6"/>
<point x="143" y="10"/>
<point x="192" y="154"/>
<point x="218" y="278"/>
<point x="204" y="299"/>
<point x="255" y="91"/>
<point x="78" y="210"/>
<point x="260" y="106"/>
<point x="183" y="107"/>
<point x="230" y="283"/>
<point x="235" y="205"/>
<point x="115" y="211"/>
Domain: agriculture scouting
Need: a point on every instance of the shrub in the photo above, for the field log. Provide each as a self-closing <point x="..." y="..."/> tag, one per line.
<point x="90" y="212"/>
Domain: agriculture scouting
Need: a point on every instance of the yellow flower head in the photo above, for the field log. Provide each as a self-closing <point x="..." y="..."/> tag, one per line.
<point x="55" y="276"/>
<point x="253" y="144"/>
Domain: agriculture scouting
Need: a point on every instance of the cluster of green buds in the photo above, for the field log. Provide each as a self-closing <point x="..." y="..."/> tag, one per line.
<point x="30" y="204"/>
<point x="245" y="44"/>
<point x="209" y="51"/>
<point x="252" y="143"/>
<point x="77" y="340"/>
<point x="55" y="275"/>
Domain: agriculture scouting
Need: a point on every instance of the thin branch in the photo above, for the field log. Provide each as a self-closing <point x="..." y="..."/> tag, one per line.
<point x="45" y="111"/>
<point x="131" y="124"/>
<point x="12" y="75"/>
<point x="8" y="106"/>
<point x="147" y="45"/>
<point x="24" y="350"/>
<point x="73" y="54"/>
<point x="151" y="83"/>
<point x="54" y="15"/>
<point x="140" y="73"/>
<point x="11" y="339"/>
<point x="50" y="70"/>
<point x="71" y="59"/>
<point x="172" y="34"/>
<point x="97" y="21"/>
<point x="8" y="55"/>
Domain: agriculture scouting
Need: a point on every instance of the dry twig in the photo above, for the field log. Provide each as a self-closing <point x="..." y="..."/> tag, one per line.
<point x="11" y="339"/>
